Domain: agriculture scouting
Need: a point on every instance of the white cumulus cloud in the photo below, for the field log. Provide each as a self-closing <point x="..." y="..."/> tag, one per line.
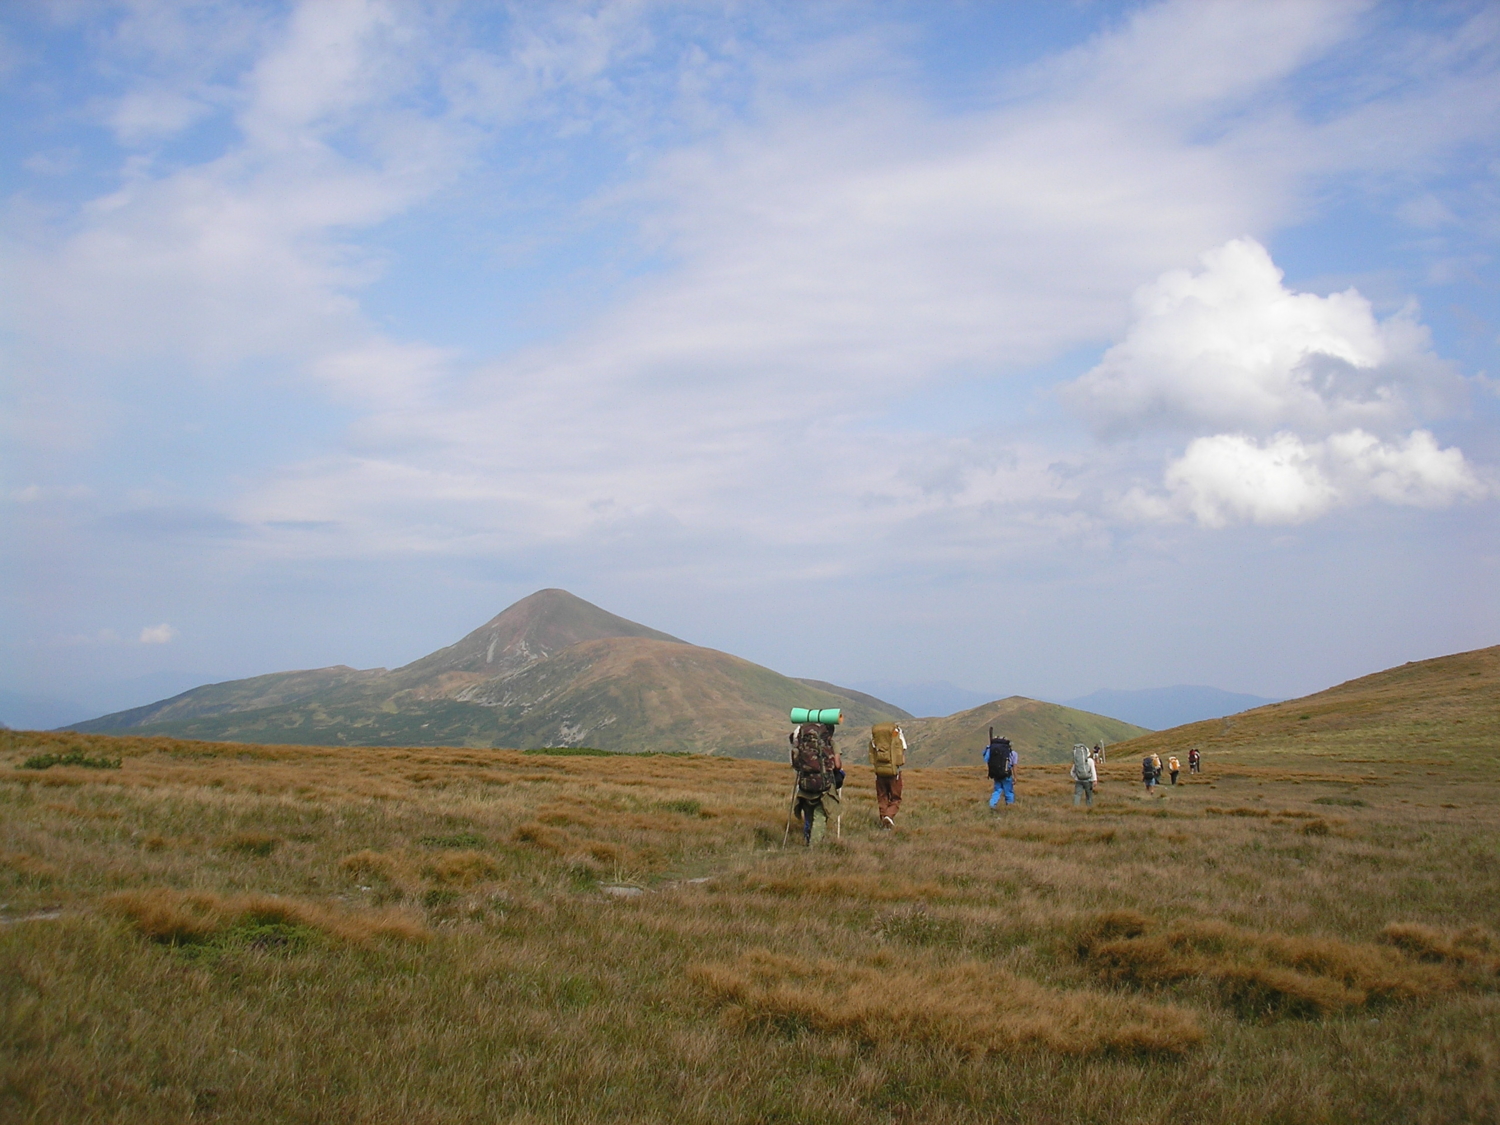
<point x="1231" y="347"/>
<point x="1233" y="478"/>
<point x="157" y="634"/>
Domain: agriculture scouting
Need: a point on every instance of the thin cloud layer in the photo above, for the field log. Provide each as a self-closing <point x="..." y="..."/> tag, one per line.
<point x="626" y="292"/>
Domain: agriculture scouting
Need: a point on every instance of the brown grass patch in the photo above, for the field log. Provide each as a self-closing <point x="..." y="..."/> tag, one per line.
<point x="873" y="888"/>
<point x="971" y="1006"/>
<point x="1473" y="947"/>
<point x="28" y="866"/>
<point x="461" y="868"/>
<point x="253" y="843"/>
<point x="1269" y="975"/>
<point x="1214" y="810"/>
<point x="187" y="917"/>
<point x="1067" y="836"/>
<point x="373" y="865"/>
<point x="541" y="836"/>
<point x="82" y="813"/>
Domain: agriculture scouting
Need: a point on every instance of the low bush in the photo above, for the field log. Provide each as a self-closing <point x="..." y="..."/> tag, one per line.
<point x="71" y="758"/>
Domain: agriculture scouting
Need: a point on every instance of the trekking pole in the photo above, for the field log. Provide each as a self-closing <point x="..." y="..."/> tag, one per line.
<point x="791" y="805"/>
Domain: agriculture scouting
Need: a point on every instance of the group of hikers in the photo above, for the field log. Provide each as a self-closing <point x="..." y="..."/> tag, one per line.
<point x="1151" y="768"/>
<point x="817" y="794"/>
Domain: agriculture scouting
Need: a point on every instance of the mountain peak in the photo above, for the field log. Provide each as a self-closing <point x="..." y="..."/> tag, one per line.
<point x="535" y="627"/>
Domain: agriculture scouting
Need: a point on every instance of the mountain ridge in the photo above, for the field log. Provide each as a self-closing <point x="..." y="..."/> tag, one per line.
<point x="552" y="669"/>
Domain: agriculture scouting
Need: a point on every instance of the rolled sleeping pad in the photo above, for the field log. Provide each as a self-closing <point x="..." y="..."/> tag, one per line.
<point x="830" y="715"/>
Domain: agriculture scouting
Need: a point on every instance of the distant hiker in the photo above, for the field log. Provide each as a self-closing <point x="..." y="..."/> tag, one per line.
<point x="1099" y="752"/>
<point x="1001" y="761"/>
<point x="887" y="756"/>
<point x="1085" y="773"/>
<point x="1173" y="766"/>
<point x="1150" y="772"/>
<point x="820" y="776"/>
<point x="1195" y="760"/>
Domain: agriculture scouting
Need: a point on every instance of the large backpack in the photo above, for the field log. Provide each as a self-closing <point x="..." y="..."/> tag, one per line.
<point x="999" y="761"/>
<point x="812" y="757"/>
<point x="887" y="749"/>
<point x="1081" y="759"/>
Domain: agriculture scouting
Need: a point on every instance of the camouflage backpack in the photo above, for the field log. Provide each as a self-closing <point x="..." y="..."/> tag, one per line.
<point x="812" y="756"/>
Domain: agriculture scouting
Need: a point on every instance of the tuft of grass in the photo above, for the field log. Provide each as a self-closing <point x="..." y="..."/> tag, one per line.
<point x="72" y="758"/>
<point x="194" y="917"/>
<point x="32" y="870"/>
<point x="253" y="843"/>
<point x="970" y="1006"/>
<point x="1473" y="947"/>
<point x="1261" y="974"/>
<point x="1345" y="802"/>
<point x="461" y="868"/>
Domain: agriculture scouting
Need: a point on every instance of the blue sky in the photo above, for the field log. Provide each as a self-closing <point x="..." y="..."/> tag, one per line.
<point x="1038" y="348"/>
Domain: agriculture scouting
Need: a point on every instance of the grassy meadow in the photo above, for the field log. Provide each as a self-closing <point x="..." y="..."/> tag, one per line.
<point x="221" y="932"/>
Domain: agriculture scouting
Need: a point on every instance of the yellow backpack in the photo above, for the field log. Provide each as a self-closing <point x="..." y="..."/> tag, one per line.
<point x="887" y="749"/>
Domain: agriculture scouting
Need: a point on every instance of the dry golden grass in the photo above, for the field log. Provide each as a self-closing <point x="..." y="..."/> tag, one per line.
<point x="186" y="917"/>
<point x="971" y="1006"/>
<point x="1273" y="975"/>
<point x="225" y="932"/>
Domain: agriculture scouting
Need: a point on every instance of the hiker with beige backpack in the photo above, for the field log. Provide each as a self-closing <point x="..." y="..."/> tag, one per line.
<point x="887" y="756"/>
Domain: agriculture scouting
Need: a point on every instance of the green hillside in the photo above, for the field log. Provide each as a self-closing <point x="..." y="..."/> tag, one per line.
<point x="1040" y="732"/>
<point x="1441" y="710"/>
<point x="552" y="670"/>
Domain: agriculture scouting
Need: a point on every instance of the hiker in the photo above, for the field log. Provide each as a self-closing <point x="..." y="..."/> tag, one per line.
<point x="820" y="777"/>
<point x="1173" y="766"/>
<point x="1099" y="752"/>
<point x="1150" y="772"/>
<point x="1001" y="761"/>
<point x="887" y="756"/>
<point x="1085" y="773"/>
<point x="1195" y="760"/>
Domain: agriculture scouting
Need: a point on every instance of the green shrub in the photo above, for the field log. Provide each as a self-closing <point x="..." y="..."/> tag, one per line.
<point x="71" y="758"/>
<point x="460" y="840"/>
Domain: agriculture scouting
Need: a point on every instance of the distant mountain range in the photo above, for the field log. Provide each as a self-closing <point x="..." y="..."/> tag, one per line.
<point x="554" y="670"/>
<point x="1161" y="708"/>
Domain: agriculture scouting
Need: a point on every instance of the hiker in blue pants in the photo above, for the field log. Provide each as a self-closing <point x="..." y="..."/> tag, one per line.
<point x="1001" y="761"/>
